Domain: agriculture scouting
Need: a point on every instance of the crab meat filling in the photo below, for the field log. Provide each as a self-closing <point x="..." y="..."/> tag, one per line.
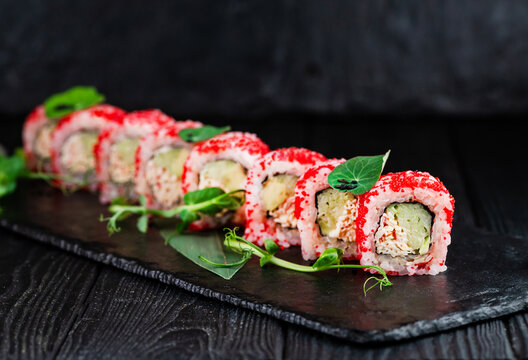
<point x="163" y="174"/>
<point x="278" y="199"/>
<point x="77" y="152"/>
<point x="122" y="157"/>
<point x="405" y="229"/>
<point x="43" y="142"/>
<point x="336" y="214"/>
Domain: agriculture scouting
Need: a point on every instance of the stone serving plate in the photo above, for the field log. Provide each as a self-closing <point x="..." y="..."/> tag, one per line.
<point x="487" y="274"/>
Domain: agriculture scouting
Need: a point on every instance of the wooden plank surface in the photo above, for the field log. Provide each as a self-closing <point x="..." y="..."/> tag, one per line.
<point x="57" y="304"/>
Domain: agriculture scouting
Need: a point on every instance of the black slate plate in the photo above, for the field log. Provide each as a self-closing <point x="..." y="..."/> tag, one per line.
<point x="487" y="275"/>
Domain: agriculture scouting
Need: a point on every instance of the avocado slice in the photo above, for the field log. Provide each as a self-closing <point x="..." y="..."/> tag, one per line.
<point x="416" y="221"/>
<point x="330" y="207"/>
<point x="277" y="189"/>
<point x="172" y="159"/>
<point x="229" y="173"/>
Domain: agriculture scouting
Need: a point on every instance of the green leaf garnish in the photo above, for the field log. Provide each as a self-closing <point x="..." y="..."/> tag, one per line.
<point x="73" y="99"/>
<point x="358" y="174"/>
<point x="202" y="133"/>
<point x="11" y="169"/>
<point x="209" y="201"/>
<point x="207" y="251"/>
<point x="329" y="259"/>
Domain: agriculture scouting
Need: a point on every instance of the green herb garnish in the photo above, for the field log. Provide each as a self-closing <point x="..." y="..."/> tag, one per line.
<point x="358" y="174"/>
<point x="330" y="259"/>
<point x="73" y="99"/>
<point x="202" y="133"/>
<point x="208" y="244"/>
<point x="209" y="201"/>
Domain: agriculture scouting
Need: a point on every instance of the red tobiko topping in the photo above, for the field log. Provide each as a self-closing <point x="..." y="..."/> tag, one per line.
<point x="151" y="116"/>
<point x="239" y="140"/>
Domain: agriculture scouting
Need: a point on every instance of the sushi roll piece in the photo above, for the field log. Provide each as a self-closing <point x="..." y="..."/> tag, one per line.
<point x="159" y="165"/>
<point x="73" y="141"/>
<point x="222" y="161"/>
<point x="270" y="200"/>
<point x="36" y="136"/>
<point x="404" y="224"/>
<point x="326" y="217"/>
<point x="115" y="152"/>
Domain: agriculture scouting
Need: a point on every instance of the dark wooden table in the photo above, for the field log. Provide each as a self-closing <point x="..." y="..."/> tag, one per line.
<point x="57" y="305"/>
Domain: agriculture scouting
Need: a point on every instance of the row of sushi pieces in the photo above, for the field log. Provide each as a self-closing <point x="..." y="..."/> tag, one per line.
<point x="402" y="224"/>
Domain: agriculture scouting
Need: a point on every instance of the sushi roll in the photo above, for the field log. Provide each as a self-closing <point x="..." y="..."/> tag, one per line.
<point x="326" y="217"/>
<point x="74" y="138"/>
<point x="159" y="165"/>
<point x="36" y="136"/>
<point x="222" y="161"/>
<point x="270" y="200"/>
<point x="115" y="152"/>
<point x="404" y="224"/>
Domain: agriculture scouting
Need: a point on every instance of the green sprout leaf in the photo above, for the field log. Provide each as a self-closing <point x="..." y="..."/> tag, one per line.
<point x="199" y="196"/>
<point x="358" y="174"/>
<point x="331" y="256"/>
<point x="142" y="223"/>
<point x="271" y="246"/>
<point x="73" y="99"/>
<point x="202" y="133"/>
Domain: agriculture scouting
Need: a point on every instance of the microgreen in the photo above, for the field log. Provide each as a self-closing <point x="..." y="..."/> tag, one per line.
<point x="208" y="201"/>
<point x="202" y="133"/>
<point x="73" y="99"/>
<point x="330" y="259"/>
<point x="358" y="174"/>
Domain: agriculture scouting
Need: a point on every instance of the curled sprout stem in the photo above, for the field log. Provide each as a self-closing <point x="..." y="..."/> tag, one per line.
<point x="242" y="246"/>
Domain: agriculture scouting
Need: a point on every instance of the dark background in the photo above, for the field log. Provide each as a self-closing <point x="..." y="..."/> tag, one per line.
<point x="255" y="60"/>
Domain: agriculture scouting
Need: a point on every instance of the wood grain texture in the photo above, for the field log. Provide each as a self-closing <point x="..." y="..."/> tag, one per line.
<point x="42" y="293"/>
<point x="131" y="317"/>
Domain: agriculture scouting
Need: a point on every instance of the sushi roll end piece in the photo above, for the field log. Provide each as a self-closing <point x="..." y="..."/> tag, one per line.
<point x="404" y="224"/>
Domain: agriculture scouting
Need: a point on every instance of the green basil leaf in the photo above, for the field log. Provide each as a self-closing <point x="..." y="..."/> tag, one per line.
<point x="202" y="133"/>
<point x="73" y="99"/>
<point x="142" y="223"/>
<point x="208" y="245"/>
<point x="271" y="247"/>
<point x="358" y="174"/>
<point x="330" y="256"/>
<point x="198" y="196"/>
